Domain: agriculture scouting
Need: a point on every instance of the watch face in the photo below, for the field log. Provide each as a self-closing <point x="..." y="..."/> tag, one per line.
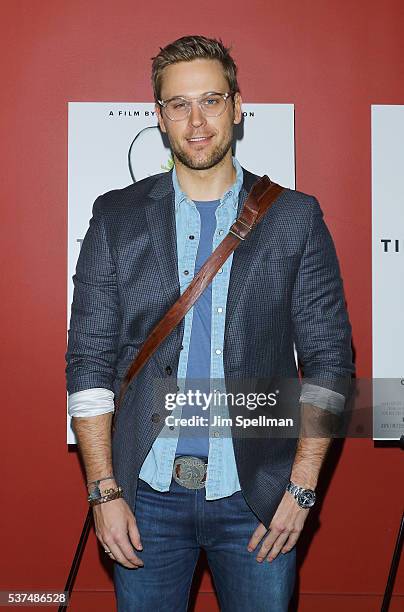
<point x="307" y="498"/>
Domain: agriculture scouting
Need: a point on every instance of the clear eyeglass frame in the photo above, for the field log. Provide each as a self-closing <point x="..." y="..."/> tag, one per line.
<point x="199" y="100"/>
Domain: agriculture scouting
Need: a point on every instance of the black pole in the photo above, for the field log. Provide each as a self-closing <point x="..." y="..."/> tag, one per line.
<point x="396" y="556"/>
<point x="77" y="558"/>
<point x="393" y="568"/>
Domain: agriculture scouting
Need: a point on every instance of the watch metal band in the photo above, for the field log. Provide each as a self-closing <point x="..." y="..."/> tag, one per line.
<point x="304" y="497"/>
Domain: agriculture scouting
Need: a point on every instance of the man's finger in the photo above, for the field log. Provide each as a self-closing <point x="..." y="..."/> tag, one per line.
<point x="127" y="550"/>
<point x="277" y="546"/>
<point x="116" y="554"/>
<point x="291" y="542"/>
<point x="134" y="535"/>
<point x="256" y="537"/>
<point x="270" y="540"/>
<point x="130" y="562"/>
<point x="101" y="541"/>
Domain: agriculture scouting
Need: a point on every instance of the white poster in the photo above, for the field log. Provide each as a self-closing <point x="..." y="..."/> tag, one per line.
<point x="114" y="144"/>
<point x="388" y="270"/>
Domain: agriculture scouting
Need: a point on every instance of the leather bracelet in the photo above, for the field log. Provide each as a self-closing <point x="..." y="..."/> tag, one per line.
<point x="102" y="499"/>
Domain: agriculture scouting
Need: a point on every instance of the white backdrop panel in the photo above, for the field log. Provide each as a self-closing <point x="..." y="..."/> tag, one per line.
<point x="388" y="269"/>
<point x="109" y="141"/>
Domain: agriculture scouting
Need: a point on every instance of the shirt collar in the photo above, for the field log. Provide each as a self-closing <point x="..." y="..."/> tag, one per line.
<point x="232" y="192"/>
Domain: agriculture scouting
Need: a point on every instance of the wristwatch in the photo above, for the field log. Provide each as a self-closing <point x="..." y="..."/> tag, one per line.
<point x="305" y="497"/>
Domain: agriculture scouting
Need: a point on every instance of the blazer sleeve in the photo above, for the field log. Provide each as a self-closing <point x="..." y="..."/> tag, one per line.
<point x="95" y="314"/>
<point x="322" y="331"/>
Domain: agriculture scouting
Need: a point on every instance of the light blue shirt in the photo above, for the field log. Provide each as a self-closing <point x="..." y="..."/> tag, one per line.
<point x="194" y="439"/>
<point x="222" y="479"/>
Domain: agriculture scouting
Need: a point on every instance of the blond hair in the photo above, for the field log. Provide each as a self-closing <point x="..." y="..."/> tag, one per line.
<point x="189" y="48"/>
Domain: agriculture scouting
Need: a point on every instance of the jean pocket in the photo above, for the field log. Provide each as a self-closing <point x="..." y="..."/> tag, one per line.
<point x="242" y="505"/>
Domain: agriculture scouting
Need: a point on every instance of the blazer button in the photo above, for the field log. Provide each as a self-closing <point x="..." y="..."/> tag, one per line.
<point x="169" y="370"/>
<point x="155" y="417"/>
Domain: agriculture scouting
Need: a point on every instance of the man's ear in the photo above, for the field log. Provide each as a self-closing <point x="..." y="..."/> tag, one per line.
<point x="157" y="108"/>
<point x="237" y="107"/>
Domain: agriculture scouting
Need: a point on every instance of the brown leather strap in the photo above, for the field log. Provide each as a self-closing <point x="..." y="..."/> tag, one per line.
<point x="262" y="195"/>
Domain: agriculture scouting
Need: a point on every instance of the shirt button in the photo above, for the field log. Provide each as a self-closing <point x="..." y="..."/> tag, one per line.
<point x="216" y="434"/>
<point x="169" y="370"/>
<point x="218" y="351"/>
<point x="220" y="270"/>
<point x="186" y="272"/>
<point x="171" y="427"/>
<point x="191" y="237"/>
<point x="220" y="232"/>
<point x="220" y="309"/>
<point x="155" y="417"/>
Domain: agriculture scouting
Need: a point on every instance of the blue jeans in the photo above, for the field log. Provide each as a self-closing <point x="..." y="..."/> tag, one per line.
<point x="173" y="527"/>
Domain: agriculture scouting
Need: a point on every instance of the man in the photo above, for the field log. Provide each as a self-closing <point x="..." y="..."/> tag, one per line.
<point x="214" y="490"/>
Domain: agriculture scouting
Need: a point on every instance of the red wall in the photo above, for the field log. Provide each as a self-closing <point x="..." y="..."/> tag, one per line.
<point x="332" y="60"/>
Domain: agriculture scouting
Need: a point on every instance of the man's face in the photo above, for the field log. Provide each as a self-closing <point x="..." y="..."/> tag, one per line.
<point x="190" y="80"/>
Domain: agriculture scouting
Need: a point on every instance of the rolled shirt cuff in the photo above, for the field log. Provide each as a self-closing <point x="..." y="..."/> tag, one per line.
<point x="322" y="398"/>
<point x="90" y="402"/>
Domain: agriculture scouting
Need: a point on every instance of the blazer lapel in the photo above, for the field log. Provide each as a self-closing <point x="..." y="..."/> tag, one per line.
<point x="160" y="215"/>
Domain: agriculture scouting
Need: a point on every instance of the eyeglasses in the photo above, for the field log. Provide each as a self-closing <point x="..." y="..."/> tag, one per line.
<point x="212" y="104"/>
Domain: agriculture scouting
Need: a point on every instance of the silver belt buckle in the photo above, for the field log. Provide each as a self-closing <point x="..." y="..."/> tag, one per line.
<point x="190" y="472"/>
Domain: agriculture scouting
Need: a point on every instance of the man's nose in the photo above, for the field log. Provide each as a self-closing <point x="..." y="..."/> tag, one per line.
<point x="196" y="116"/>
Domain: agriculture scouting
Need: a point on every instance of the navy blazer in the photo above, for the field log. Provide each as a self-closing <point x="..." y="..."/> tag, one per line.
<point x="285" y="289"/>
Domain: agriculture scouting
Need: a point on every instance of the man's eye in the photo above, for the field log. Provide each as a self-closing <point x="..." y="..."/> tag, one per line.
<point x="211" y="101"/>
<point x="177" y="105"/>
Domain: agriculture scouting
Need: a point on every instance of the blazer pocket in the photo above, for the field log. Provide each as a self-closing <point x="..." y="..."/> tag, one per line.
<point x="282" y="255"/>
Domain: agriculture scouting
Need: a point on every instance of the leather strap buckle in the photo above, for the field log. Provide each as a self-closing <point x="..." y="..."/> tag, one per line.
<point x="238" y="231"/>
<point x="236" y="235"/>
<point x="245" y="224"/>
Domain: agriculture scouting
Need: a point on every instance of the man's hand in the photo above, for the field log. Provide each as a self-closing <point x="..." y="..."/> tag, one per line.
<point x="115" y="525"/>
<point x="284" y="530"/>
<point x="116" y="529"/>
<point x="289" y="518"/>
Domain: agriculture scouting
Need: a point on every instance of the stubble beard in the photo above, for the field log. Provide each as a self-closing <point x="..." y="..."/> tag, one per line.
<point x="206" y="160"/>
